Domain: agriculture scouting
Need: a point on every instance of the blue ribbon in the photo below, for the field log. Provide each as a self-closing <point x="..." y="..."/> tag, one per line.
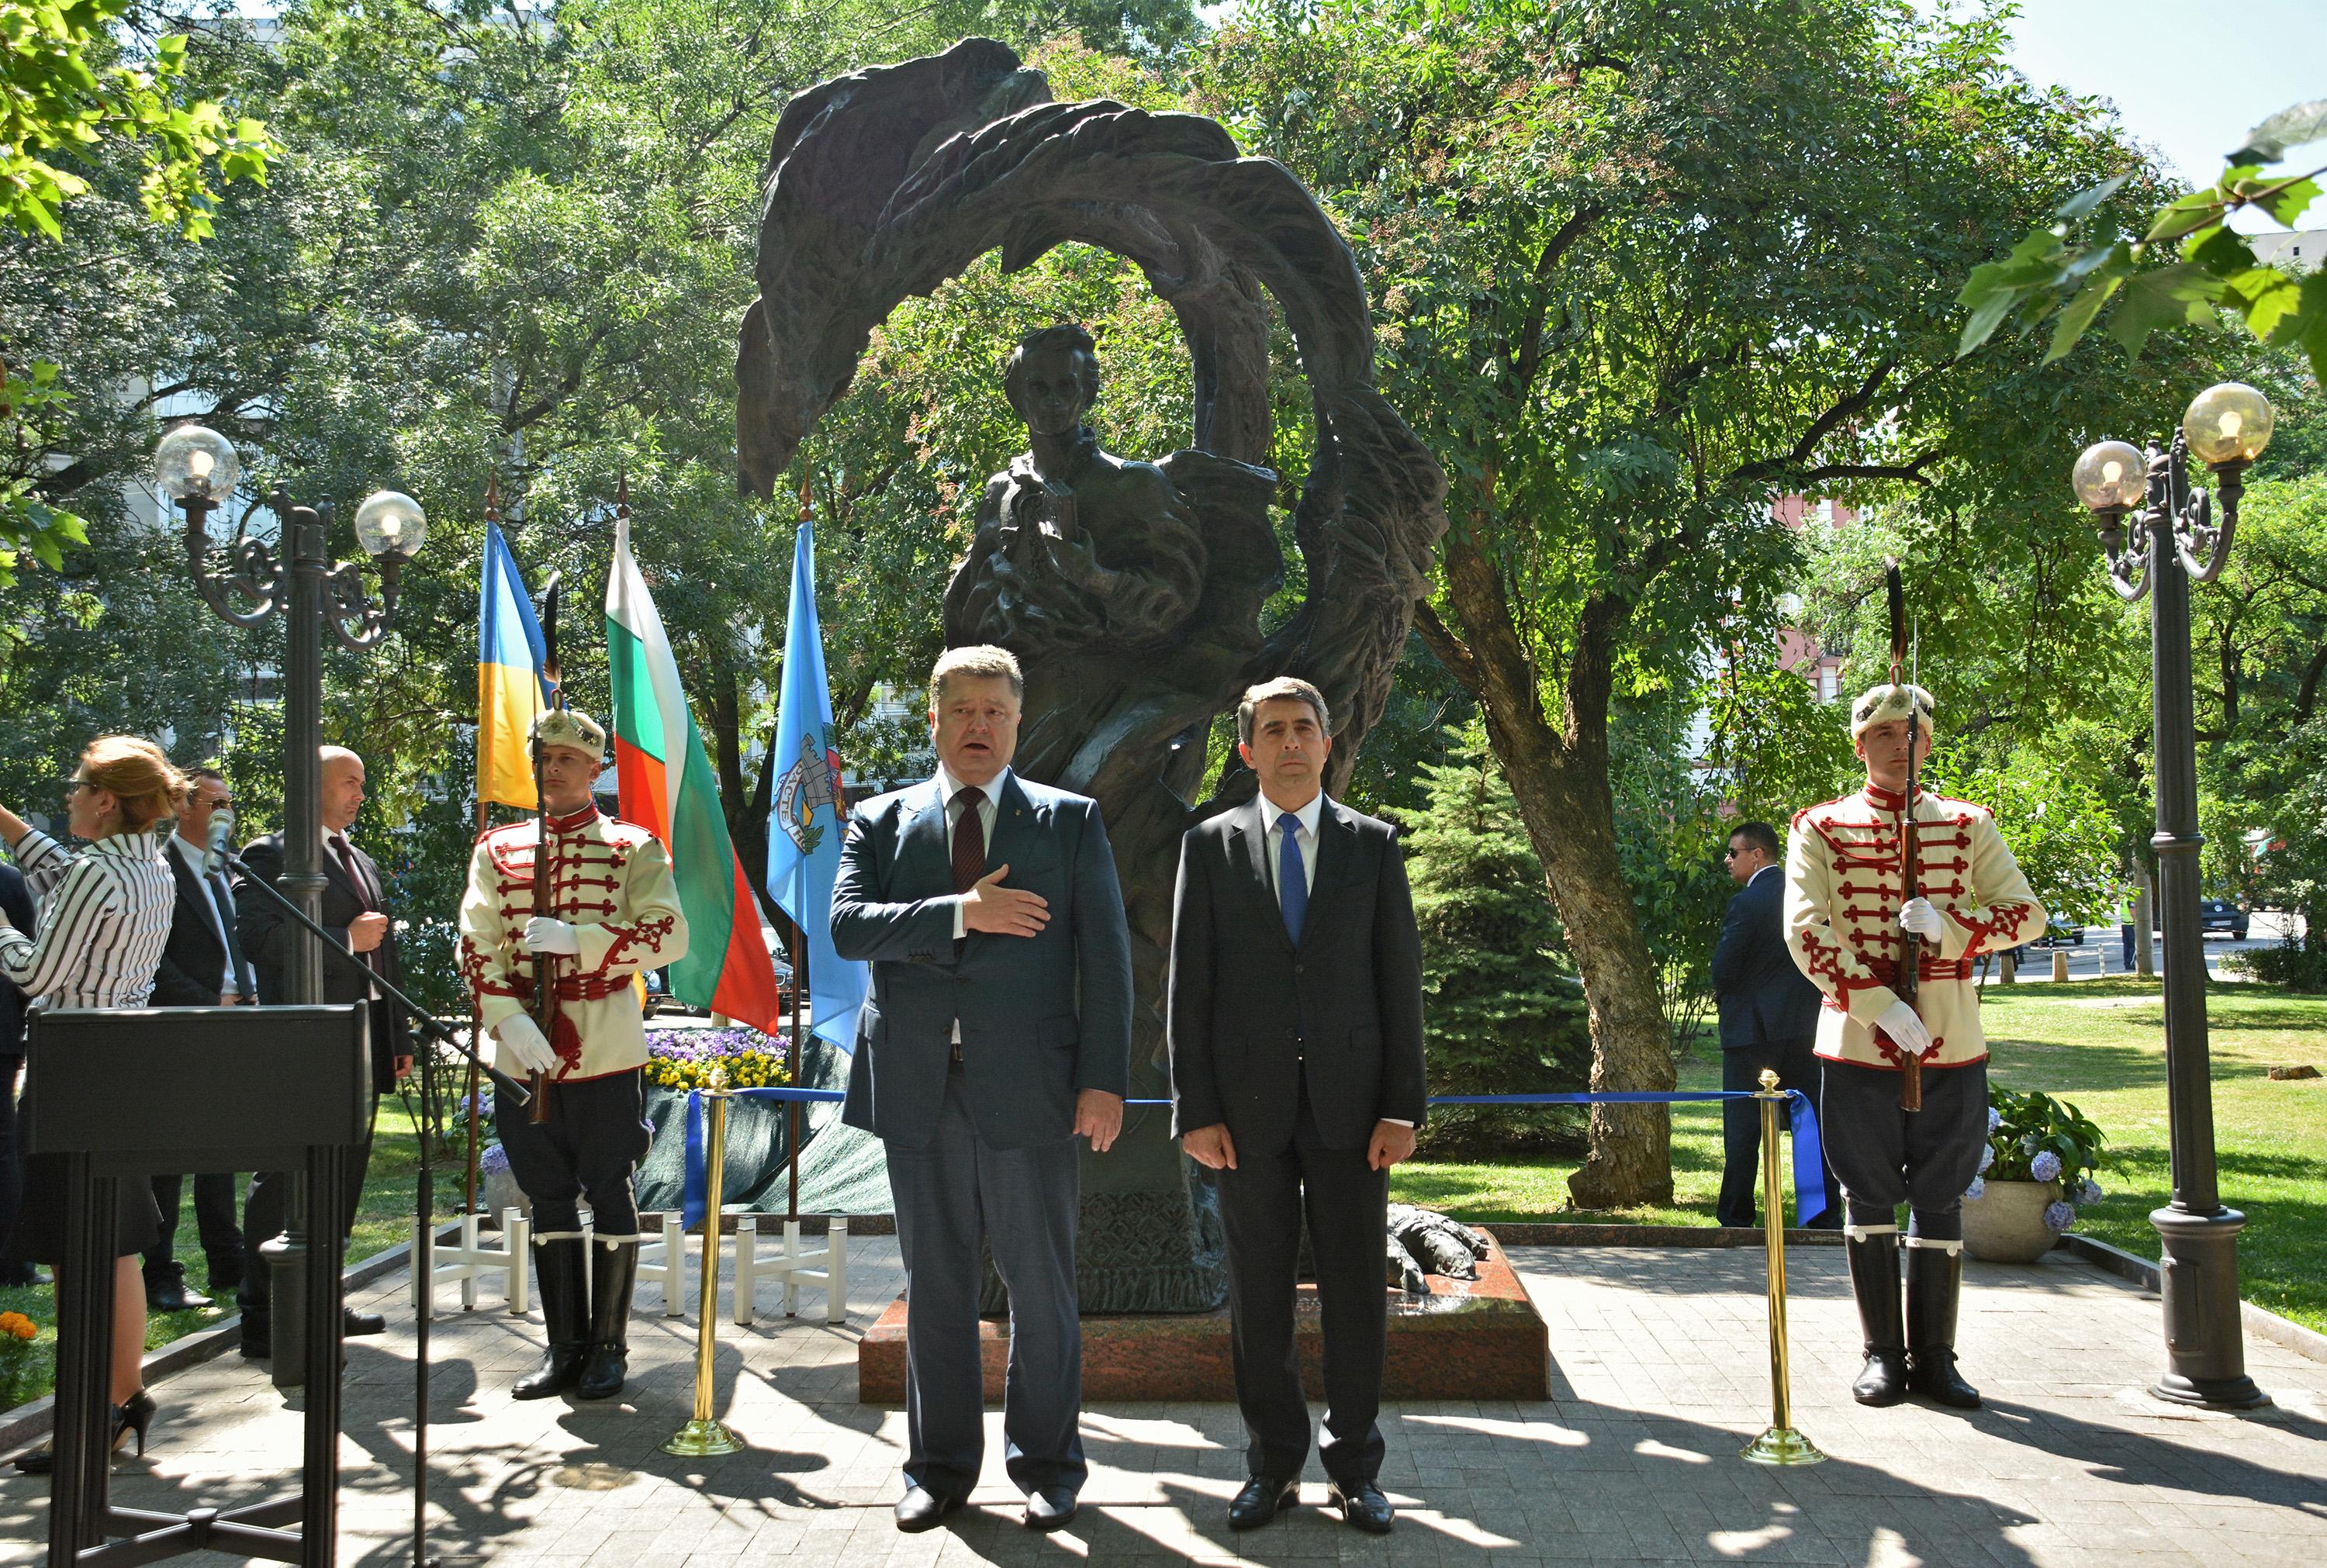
<point x="1809" y="1168"/>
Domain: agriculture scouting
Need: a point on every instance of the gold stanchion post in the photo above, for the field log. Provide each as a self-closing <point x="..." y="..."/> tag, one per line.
<point x="1780" y="1444"/>
<point x="704" y="1437"/>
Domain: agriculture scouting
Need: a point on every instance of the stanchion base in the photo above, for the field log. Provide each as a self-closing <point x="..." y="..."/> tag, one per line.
<point x="1783" y="1445"/>
<point x="708" y="1439"/>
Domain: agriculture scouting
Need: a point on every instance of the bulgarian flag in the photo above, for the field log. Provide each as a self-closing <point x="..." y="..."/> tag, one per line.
<point x="664" y="776"/>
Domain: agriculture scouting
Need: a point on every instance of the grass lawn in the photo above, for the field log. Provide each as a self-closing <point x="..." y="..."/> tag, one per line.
<point x="2100" y="1043"/>
<point x="384" y="1220"/>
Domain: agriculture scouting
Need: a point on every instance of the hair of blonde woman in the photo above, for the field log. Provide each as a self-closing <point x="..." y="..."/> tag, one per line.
<point x="1291" y="688"/>
<point x="980" y="662"/>
<point x="139" y="777"/>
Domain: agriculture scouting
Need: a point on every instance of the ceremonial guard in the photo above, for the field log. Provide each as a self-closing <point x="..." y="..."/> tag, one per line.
<point x="1904" y="1109"/>
<point x="612" y="914"/>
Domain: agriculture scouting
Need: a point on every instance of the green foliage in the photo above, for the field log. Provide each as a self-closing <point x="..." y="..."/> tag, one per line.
<point x="2030" y="1123"/>
<point x="2291" y="966"/>
<point x="68" y="85"/>
<point x="1501" y="998"/>
<point x="2060" y="829"/>
<point x="1670" y="834"/>
<point x="2056" y="274"/>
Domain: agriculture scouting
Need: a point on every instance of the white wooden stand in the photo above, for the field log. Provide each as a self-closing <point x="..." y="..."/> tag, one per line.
<point x="824" y="1267"/>
<point x="470" y="1258"/>
<point x="662" y="1261"/>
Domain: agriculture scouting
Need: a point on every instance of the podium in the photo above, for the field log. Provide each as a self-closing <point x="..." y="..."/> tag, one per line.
<point x="127" y="1094"/>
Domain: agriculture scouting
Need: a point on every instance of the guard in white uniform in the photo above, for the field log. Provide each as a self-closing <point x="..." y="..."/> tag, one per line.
<point x="615" y="913"/>
<point x="1846" y="909"/>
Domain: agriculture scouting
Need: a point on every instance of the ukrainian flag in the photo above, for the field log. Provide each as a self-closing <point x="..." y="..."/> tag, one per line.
<point x="511" y="687"/>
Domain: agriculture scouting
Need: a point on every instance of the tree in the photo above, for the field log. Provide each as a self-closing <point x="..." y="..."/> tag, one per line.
<point x="74" y="90"/>
<point x="1637" y="268"/>
<point x="2055" y="275"/>
<point x="1504" y="1010"/>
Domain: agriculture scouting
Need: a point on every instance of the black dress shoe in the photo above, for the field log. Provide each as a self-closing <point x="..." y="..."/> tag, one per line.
<point x="171" y="1295"/>
<point x="1363" y="1504"/>
<point x="1263" y="1499"/>
<point x="1049" y="1507"/>
<point x="352" y="1323"/>
<point x="1882" y="1381"/>
<point x="919" y="1510"/>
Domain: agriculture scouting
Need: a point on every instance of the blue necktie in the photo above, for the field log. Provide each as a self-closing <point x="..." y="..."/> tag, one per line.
<point x="1291" y="881"/>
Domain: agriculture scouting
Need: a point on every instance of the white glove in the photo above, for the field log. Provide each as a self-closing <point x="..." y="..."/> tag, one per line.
<point x="544" y="935"/>
<point x="523" y="1046"/>
<point x="1906" y="1030"/>
<point x="1921" y="917"/>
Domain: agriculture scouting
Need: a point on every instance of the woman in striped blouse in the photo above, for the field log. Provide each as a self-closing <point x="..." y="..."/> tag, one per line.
<point x="104" y="916"/>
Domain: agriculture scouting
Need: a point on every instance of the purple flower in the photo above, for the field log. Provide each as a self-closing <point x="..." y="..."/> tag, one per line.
<point x="2089" y="1191"/>
<point x="2059" y="1216"/>
<point x="1994" y="1120"/>
<point x="495" y="1159"/>
<point x="1986" y="1158"/>
<point x="2044" y="1167"/>
<point x="1977" y="1187"/>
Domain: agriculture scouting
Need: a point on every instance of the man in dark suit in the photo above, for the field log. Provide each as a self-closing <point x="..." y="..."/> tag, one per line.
<point x="16" y="903"/>
<point x="204" y="966"/>
<point x="354" y="913"/>
<point x="1295" y="1021"/>
<point x="999" y="1031"/>
<point x="1769" y="1017"/>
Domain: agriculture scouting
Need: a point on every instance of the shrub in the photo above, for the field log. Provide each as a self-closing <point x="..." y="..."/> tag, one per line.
<point x="1502" y="1007"/>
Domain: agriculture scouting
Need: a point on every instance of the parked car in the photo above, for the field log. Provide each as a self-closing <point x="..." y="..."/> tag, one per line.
<point x="2058" y="933"/>
<point x="2220" y="915"/>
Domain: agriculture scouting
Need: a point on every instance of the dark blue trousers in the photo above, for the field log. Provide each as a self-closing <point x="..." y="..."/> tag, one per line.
<point x="955" y="1197"/>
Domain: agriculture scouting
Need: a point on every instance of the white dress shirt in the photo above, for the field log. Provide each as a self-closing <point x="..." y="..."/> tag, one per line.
<point x="197" y="861"/>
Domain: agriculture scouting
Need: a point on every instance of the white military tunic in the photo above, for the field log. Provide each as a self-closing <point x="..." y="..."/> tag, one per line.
<point x="610" y="880"/>
<point x="1844" y="891"/>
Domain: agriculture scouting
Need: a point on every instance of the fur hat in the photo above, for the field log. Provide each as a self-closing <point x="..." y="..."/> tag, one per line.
<point x="1880" y="705"/>
<point x="569" y="727"/>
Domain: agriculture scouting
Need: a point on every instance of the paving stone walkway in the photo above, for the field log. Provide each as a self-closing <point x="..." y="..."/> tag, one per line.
<point x="1659" y="1377"/>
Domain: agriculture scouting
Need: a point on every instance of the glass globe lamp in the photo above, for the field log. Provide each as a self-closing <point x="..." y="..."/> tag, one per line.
<point x="390" y="523"/>
<point x="2230" y="423"/>
<point x="2111" y="476"/>
<point x="197" y="464"/>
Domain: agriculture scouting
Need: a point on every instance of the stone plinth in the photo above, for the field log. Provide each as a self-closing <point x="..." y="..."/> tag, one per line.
<point x="1468" y="1340"/>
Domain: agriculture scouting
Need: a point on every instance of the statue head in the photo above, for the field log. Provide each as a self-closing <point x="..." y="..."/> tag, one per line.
<point x="1052" y="377"/>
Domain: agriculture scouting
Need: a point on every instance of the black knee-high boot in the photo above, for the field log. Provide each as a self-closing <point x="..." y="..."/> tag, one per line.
<point x="563" y="1274"/>
<point x="614" y="1276"/>
<point x="1875" y="1281"/>
<point x="1934" y="1288"/>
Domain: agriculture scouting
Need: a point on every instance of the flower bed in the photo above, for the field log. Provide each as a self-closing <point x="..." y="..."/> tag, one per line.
<point x="685" y="1058"/>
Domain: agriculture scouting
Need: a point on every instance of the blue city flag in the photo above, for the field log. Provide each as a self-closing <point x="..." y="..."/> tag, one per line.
<point x="809" y="814"/>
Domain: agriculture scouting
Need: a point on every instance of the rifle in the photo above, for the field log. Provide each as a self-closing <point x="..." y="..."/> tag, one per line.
<point x="544" y="966"/>
<point x="1907" y="976"/>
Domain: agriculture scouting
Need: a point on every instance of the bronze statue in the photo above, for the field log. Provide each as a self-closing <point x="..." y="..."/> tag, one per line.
<point x="1131" y="590"/>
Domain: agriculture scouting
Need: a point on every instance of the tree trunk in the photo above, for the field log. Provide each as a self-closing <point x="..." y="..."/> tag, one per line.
<point x="1560" y="777"/>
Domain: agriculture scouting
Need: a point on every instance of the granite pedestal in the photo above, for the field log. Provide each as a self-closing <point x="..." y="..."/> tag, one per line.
<point x="1478" y="1339"/>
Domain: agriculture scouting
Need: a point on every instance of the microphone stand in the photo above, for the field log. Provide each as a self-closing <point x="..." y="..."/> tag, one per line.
<point x="436" y="1029"/>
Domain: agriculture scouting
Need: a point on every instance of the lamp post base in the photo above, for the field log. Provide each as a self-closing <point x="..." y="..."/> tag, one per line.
<point x="2198" y="1284"/>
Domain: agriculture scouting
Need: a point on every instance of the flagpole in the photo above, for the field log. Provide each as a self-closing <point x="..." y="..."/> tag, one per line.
<point x="470" y="1171"/>
<point x="799" y="940"/>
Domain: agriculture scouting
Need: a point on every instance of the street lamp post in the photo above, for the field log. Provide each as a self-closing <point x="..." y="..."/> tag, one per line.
<point x="2159" y="535"/>
<point x="198" y="468"/>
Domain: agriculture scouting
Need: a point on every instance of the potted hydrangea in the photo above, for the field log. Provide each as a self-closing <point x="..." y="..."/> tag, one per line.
<point x="2035" y="1172"/>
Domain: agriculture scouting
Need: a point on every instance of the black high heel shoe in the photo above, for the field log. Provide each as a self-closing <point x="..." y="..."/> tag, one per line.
<point x="136" y="1416"/>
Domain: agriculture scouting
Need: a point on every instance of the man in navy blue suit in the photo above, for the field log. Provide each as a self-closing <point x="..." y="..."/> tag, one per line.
<point x="999" y="1031"/>
<point x="1768" y="1016"/>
